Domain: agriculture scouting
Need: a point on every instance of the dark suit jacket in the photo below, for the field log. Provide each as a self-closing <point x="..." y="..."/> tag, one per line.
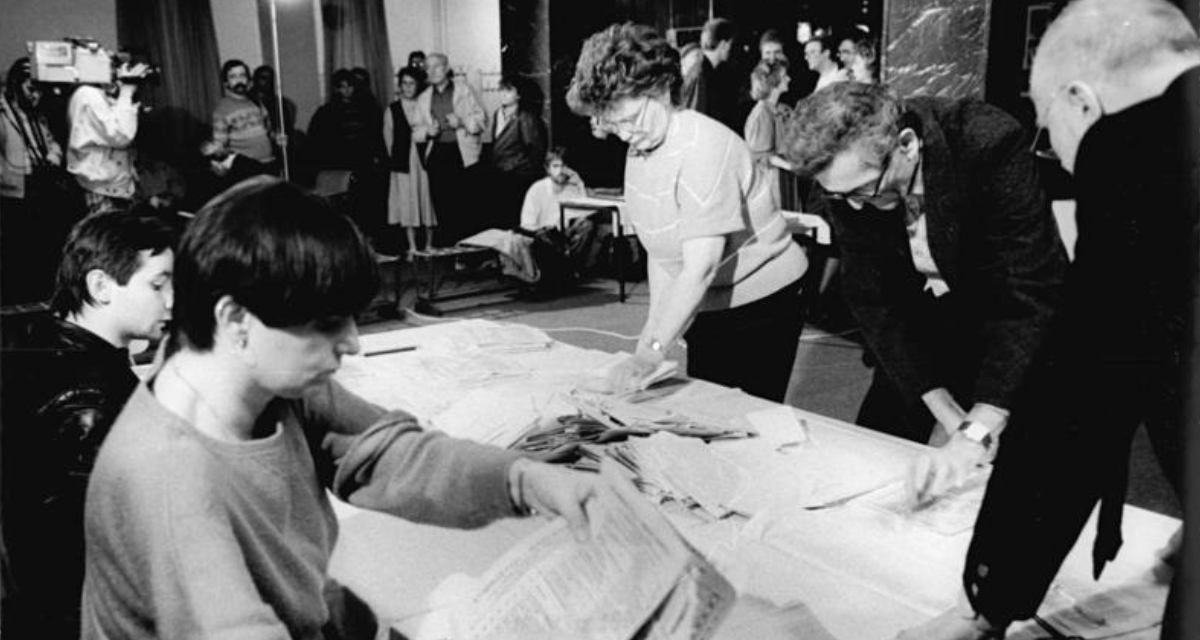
<point x="521" y="146"/>
<point x="711" y="91"/>
<point x="1122" y="354"/>
<point x="994" y="240"/>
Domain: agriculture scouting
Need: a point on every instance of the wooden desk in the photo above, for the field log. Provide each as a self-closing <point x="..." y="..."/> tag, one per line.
<point x="589" y="205"/>
<point x="842" y="573"/>
<point x="430" y="267"/>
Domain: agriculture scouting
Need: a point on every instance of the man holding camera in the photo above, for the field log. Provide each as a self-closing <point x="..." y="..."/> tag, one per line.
<point x="104" y="122"/>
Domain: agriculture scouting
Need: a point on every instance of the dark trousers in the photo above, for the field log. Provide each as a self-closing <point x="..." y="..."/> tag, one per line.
<point x="450" y="191"/>
<point x="508" y="190"/>
<point x="1057" y="459"/>
<point x="751" y="347"/>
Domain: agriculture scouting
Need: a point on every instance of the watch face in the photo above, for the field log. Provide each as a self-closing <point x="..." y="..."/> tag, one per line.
<point x="976" y="432"/>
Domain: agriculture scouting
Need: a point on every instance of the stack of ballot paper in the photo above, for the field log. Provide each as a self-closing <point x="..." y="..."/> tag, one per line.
<point x="621" y="413"/>
<point x="635" y="576"/>
<point x="683" y="469"/>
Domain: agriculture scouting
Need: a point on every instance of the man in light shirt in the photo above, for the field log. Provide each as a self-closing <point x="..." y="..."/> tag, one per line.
<point x="541" y="208"/>
<point x="104" y="122"/>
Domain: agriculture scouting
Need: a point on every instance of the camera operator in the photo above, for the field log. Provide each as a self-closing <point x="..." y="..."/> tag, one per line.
<point x="30" y="172"/>
<point x="104" y="122"/>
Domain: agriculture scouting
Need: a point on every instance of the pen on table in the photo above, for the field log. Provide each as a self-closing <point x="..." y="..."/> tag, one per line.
<point x="381" y="352"/>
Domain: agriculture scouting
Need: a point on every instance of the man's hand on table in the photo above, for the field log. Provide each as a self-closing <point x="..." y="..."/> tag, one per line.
<point x="553" y="491"/>
<point x="935" y="472"/>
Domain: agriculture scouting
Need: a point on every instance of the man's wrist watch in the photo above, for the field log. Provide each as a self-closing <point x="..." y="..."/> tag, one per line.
<point x="978" y="433"/>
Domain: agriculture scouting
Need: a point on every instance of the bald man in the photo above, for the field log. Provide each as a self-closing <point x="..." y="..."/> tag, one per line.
<point x="1116" y="83"/>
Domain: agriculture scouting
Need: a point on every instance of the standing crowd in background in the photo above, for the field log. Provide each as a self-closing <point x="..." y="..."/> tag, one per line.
<point x="946" y="255"/>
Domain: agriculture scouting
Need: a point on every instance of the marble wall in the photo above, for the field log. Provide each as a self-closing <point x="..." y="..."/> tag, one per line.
<point x="936" y="47"/>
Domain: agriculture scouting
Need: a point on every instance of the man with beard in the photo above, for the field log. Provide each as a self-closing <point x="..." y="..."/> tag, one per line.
<point x="240" y="128"/>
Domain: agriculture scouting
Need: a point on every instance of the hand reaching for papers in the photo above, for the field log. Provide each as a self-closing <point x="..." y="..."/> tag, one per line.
<point x="554" y="491"/>
<point x="628" y="374"/>
<point x="936" y="472"/>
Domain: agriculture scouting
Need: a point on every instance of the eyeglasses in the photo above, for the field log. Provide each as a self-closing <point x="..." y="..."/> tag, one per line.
<point x="632" y="122"/>
<point x="857" y="194"/>
<point x="1036" y="147"/>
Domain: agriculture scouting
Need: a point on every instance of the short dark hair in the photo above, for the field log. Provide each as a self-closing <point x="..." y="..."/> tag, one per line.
<point x="716" y="31"/>
<point x="770" y="35"/>
<point x="263" y="69"/>
<point x="111" y="242"/>
<point x="623" y="61"/>
<point x="529" y="94"/>
<point x="837" y="118"/>
<point x="343" y="75"/>
<point x="278" y="250"/>
<point x="17" y="74"/>
<point x="821" y="40"/>
<point x="230" y="65"/>
<point x="415" y="74"/>
<point x="558" y="152"/>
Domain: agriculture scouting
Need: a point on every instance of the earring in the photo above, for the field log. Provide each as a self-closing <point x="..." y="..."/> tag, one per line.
<point x="243" y="340"/>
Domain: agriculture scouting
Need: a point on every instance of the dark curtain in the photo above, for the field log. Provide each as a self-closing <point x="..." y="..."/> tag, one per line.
<point x="177" y="36"/>
<point x="356" y="36"/>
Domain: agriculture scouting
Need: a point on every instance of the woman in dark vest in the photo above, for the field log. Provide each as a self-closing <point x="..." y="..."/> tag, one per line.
<point x="518" y="147"/>
<point x="409" y="204"/>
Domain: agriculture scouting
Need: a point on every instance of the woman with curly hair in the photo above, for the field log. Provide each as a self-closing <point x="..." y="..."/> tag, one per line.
<point x="724" y="273"/>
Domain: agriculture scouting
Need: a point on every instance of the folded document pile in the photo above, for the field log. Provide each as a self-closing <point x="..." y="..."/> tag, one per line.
<point x="635" y="577"/>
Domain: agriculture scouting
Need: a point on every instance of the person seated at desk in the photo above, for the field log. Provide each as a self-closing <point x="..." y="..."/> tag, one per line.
<point x="540" y="252"/>
<point x="207" y="514"/>
<point x="541" y="207"/>
<point x="724" y="271"/>
<point x="65" y="379"/>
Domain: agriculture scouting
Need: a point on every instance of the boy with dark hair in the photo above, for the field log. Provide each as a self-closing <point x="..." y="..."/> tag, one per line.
<point x="64" y="383"/>
<point x="207" y="515"/>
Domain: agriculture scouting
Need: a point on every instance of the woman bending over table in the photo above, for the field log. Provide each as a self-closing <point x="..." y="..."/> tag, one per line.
<point x="207" y="514"/>
<point x="724" y="272"/>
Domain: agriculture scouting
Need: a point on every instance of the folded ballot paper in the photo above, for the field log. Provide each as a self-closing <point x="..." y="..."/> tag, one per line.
<point x="635" y="577"/>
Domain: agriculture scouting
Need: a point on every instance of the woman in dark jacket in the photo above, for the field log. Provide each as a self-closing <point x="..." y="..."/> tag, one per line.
<point x="518" y="148"/>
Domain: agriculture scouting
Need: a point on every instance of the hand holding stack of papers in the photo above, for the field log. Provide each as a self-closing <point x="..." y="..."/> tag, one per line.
<point x="634" y="577"/>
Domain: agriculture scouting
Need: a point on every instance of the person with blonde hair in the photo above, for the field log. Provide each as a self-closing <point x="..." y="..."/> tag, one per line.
<point x="768" y="82"/>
